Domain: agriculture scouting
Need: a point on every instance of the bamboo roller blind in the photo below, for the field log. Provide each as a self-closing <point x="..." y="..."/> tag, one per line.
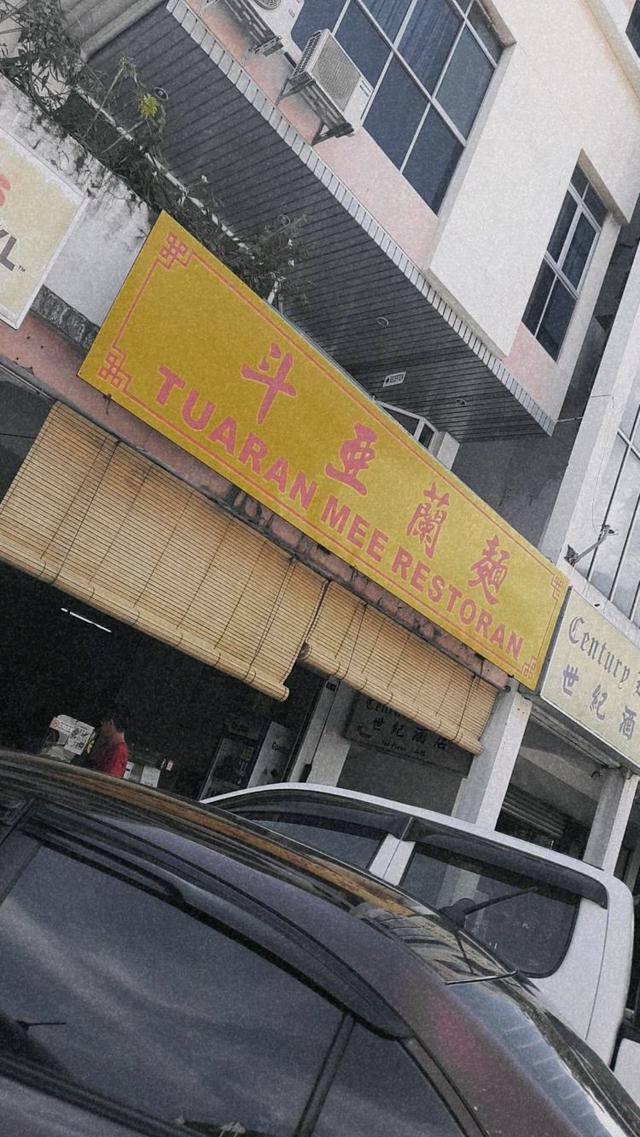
<point x="353" y="641"/>
<point x="106" y="525"/>
<point x="109" y="527"/>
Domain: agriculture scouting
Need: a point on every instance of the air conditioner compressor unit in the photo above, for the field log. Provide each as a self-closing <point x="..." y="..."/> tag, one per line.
<point x="330" y="81"/>
<point x="269" y="22"/>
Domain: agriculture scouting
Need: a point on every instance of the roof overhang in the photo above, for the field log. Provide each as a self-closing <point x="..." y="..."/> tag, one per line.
<point x="353" y="271"/>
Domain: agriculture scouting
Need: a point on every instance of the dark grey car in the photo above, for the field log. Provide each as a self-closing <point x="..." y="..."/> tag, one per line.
<point x="169" y="970"/>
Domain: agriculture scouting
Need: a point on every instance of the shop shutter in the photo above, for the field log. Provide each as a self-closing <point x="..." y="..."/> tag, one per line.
<point x="106" y="525"/>
<point x="524" y="807"/>
<point x="353" y="641"/>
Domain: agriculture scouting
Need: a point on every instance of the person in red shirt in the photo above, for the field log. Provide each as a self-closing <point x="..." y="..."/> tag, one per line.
<point x="111" y="754"/>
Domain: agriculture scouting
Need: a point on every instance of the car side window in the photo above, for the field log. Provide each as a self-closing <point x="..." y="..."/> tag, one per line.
<point x="347" y="840"/>
<point x="116" y="988"/>
<point x="379" y="1090"/>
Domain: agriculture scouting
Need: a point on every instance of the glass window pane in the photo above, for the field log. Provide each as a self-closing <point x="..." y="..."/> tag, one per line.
<point x="433" y="160"/>
<point x="627" y="585"/>
<point x="393" y="131"/>
<point x="619" y="518"/>
<point x="538" y="299"/>
<point x="389" y="14"/>
<point x="630" y="412"/>
<point x="346" y="841"/>
<point x="602" y="500"/>
<point x="155" y="1009"/>
<point x="465" y="82"/>
<point x="315" y="14"/>
<point x="429" y="38"/>
<point x="554" y="323"/>
<point x="379" y="1091"/>
<point x="479" y="21"/>
<point x="561" y="228"/>
<point x="633" y="28"/>
<point x="579" y="180"/>
<point x="578" y="251"/>
<point x="363" y="43"/>
<point x="592" y="202"/>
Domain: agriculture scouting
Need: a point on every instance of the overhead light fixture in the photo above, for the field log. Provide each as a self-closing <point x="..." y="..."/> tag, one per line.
<point x="86" y="620"/>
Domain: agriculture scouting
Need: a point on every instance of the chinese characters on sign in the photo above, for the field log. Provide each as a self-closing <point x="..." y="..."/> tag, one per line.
<point x="356" y="454"/>
<point x="196" y="355"/>
<point x="593" y="676"/>
<point x="428" y="520"/>
<point x="490" y="571"/>
<point x="376" y="726"/>
<point x="276" y="384"/>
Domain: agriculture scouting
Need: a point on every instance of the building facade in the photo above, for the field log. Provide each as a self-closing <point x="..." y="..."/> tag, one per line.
<point x="464" y="177"/>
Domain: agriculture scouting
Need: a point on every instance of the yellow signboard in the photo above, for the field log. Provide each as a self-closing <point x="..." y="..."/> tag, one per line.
<point x="593" y="677"/>
<point x="194" y="353"/>
<point x="38" y="209"/>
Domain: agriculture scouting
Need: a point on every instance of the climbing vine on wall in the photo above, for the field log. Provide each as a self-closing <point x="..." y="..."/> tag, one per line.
<point x="121" y="122"/>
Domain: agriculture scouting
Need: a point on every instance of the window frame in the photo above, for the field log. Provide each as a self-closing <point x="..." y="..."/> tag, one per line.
<point x="556" y="264"/>
<point x="463" y="10"/>
<point x="632" y="447"/>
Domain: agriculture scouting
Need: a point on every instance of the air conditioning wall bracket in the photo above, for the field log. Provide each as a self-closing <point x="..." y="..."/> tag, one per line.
<point x="293" y="88"/>
<point x="340" y="129"/>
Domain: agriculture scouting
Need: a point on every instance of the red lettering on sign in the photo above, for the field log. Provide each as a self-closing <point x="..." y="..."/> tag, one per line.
<point x="336" y="515"/>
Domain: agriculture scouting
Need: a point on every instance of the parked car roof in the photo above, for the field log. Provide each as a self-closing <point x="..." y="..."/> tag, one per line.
<point x="394" y="964"/>
<point x="434" y="822"/>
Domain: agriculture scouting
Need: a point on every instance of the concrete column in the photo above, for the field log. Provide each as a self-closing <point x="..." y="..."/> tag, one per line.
<point x="444" y="447"/>
<point x="618" y="789"/>
<point x="633" y="868"/>
<point x="481" y="794"/>
<point x="324" y="747"/>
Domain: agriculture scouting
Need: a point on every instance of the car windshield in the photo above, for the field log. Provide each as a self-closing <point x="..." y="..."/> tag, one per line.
<point x="523" y="921"/>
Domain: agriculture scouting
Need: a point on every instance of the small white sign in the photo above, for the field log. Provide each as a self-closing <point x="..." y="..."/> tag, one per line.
<point x="394" y="379"/>
<point x="38" y="210"/>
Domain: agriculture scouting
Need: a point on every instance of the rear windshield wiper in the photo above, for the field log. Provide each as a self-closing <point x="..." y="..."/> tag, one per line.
<point x="460" y="909"/>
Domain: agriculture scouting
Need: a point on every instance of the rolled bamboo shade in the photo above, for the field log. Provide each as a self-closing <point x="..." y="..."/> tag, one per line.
<point x="106" y="525"/>
<point x="354" y="642"/>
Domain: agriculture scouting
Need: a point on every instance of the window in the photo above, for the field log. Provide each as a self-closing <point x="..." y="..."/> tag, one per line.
<point x="614" y="567"/>
<point x="379" y="1091"/>
<point x="633" y="27"/>
<point x="128" y="995"/>
<point x="525" y="922"/>
<point x="429" y="62"/>
<point x="565" y="263"/>
<point x="415" y="425"/>
<point x="346" y="840"/>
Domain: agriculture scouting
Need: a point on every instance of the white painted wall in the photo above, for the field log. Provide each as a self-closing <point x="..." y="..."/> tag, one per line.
<point x="97" y="257"/>
<point x="562" y="95"/>
<point x="566" y="89"/>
